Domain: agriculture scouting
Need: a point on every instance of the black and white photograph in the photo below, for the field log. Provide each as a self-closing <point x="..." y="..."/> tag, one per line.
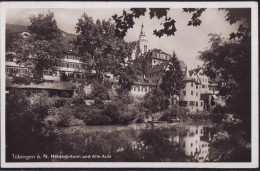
<point x="129" y="84"/>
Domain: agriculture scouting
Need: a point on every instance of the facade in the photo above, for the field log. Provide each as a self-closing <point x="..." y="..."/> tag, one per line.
<point x="14" y="69"/>
<point x="197" y="92"/>
<point x="190" y="92"/>
<point x="70" y="64"/>
<point x="141" y="87"/>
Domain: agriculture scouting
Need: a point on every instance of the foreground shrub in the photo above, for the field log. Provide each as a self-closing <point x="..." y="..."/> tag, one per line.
<point x="25" y="122"/>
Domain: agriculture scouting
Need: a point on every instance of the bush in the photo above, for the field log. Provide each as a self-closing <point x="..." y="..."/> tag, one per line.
<point x="128" y="116"/>
<point x="218" y="113"/>
<point x="40" y="106"/>
<point x="65" y="116"/>
<point x="91" y="115"/>
<point x="60" y="102"/>
<point x="174" y="112"/>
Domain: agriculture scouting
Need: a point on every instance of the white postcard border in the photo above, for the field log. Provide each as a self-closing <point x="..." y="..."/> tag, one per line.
<point x="254" y="80"/>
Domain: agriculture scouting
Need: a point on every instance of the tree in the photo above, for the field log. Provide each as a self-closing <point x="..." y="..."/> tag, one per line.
<point x="25" y="122"/>
<point x="155" y="101"/>
<point x="126" y="20"/>
<point x="42" y="49"/>
<point x="229" y="63"/>
<point x="171" y="78"/>
<point x="103" y="51"/>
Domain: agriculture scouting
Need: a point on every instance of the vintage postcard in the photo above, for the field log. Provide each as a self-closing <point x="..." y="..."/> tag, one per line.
<point x="129" y="84"/>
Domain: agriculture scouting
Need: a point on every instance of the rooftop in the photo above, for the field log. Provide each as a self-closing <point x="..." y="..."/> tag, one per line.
<point x="56" y="85"/>
<point x="142" y="81"/>
<point x="158" y="68"/>
<point x="194" y="71"/>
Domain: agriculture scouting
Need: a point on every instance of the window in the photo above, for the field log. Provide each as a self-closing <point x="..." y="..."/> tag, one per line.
<point x="138" y="88"/>
<point x="63" y="64"/>
<point x="192" y="93"/>
<point x="191" y="103"/>
<point x="191" y="144"/>
<point x="184" y="103"/>
<point x="184" y="93"/>
<point x="196" y="93"/>
<point x="197" y="104"/>
<point x="196" y="86"/>
<point x="191" y="84"/>
<point x="183" y="145"/>
<point x="201" y="103"/>
<point x="71" y="75"/>
<point x="134" y="88"/>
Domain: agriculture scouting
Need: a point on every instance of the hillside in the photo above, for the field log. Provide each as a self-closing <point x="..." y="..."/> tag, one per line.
<point x="66" y="37"/>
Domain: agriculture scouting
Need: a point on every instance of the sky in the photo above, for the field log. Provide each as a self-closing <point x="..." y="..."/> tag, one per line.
<point x="186" y="42"/>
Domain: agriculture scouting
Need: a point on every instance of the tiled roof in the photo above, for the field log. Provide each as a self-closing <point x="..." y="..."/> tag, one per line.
<point x="142" y="81"/>
<point x="11" y="64"/>
<point x="159" y="50"/>
<point x="194" y="71"/>
<point x="158" y="68"/>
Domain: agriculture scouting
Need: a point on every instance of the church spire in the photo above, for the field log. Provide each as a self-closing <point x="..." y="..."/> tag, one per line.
<point x="142" y="28"/>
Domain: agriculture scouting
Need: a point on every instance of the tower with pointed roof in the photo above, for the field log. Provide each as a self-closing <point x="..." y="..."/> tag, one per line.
<point x="142" y="42"/>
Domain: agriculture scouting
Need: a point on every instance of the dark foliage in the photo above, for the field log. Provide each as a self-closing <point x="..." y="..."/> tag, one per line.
<point x="156" y="101"/>
<point x="25" y="129"/>
<point x="171" y="78"/>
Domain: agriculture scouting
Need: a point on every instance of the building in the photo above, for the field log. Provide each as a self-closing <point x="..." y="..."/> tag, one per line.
<point x="155" y="73"/>
<point x="141" y="86"/>
<point x="71" y="64"/>
<point x="155" y="62"/>
<point x="190" y="92"/>
<point x="141" y="46"/>
<point x="198" y="92"/>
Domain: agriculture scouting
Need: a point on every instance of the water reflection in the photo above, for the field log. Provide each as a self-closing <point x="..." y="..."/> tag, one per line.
<point x="194" y="142"/>
<point x="138" y="143"/>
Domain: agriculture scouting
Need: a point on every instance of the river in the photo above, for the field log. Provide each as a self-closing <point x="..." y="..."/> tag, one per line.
<point x="133" y="143"/>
